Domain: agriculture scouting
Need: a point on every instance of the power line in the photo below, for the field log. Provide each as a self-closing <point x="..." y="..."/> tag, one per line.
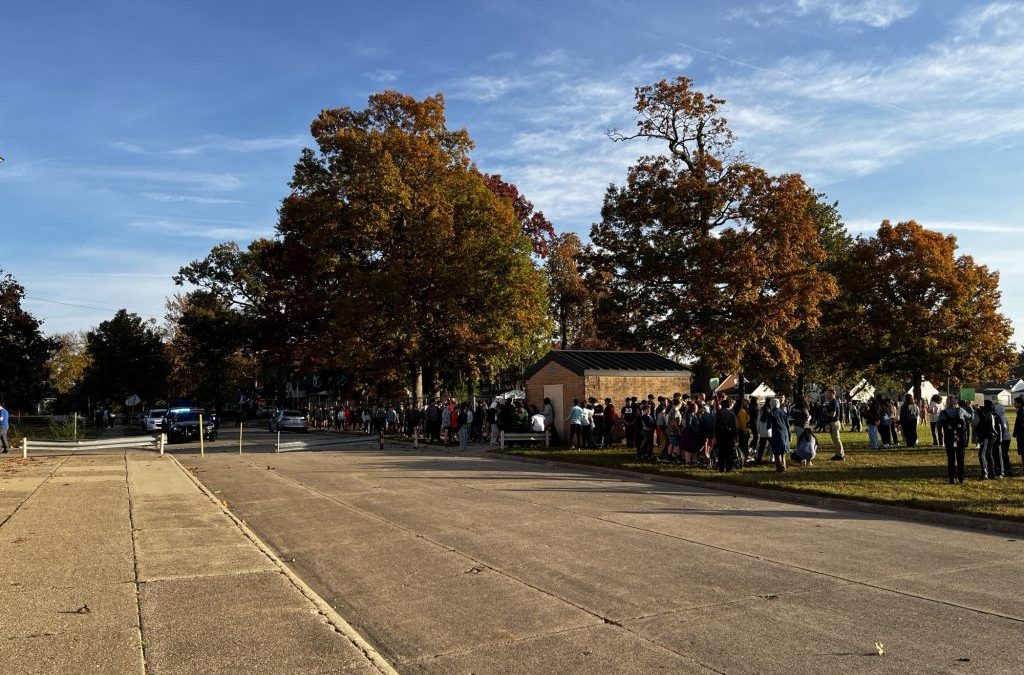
<point x="100" y="309"/>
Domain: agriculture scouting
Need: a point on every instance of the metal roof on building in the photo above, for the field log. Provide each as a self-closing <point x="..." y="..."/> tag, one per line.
<point x="579" y="361"/>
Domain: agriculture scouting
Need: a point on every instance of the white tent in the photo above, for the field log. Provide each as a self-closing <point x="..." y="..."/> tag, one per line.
<point x="1017" y="389"/>
<point x="927" y="390"/>
<point x="862" y="392"/>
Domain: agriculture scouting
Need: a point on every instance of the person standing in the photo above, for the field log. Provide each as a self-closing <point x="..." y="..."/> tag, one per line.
<point x="988" y="435"/>
<point x="830" y="413"/>
<point x="872" y="415"/>
<point x="588" y="426"/>
<point x="629" y="415"/>
<point x="609" y="421"/>
<point x="5" y="425"/>
<point x="1004" y="438"/>
<point x="465" y="421"/>
<point x="934" y="410"/>
<point x="800" y="418"/>
<point x="598" y="422"/>
<point x="645" y="449"/>
<point x="1018" y="426"/>
<point x="726" y="426"/>
<point x="954" y="422"/>
<point x="575" y="420"/>
<point x="742" y="428"/>
<point x="778" y="425"/>
<point x="909" y="413"/>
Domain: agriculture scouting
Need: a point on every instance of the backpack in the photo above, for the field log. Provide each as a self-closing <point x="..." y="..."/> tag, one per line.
<point x="707" y="423"/>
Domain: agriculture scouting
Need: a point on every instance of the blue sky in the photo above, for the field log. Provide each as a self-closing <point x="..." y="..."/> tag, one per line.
<point x="138" y="134"/>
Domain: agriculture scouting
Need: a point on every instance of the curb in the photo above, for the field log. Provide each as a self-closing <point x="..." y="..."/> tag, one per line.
<point x="990" y="525"/>
<point x="336" y="621"/>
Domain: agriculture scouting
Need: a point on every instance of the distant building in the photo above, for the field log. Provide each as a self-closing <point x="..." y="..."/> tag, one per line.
<point x="563" y="375"/>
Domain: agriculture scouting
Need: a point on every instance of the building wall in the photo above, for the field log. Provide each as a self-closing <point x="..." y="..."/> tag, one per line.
<point x="618" y="387"/>
<point x="554" y="373"/>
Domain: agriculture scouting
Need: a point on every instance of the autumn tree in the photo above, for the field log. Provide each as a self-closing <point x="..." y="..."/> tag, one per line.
<point x="126" y="356"/>
<point x="537" y="228"/>
<point x="568" y="295"/>
<point x="921" y="310"/>
<point x="394" y="252"/>
<point x="24" y="350"/>
<point x="209" y="347"/>
<point x="710" y="256"/>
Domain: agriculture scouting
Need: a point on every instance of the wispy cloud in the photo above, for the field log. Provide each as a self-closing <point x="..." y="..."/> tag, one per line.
<point x="241" y="145"/>
<point x="954" y="226"/>
<point x="384" y="75"/>
<point x="873" y="13"/>
<point x="200" y="179"/>
<point x="201" y="229"/>
<point x="191" y="199"/>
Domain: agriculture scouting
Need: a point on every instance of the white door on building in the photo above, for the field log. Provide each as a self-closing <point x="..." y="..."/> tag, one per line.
<point x="555" y="392"/>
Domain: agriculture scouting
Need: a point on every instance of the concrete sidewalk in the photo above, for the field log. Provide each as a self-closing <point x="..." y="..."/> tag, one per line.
<point x="123" y="564"/>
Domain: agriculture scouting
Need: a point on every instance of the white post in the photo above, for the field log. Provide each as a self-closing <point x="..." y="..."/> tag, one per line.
<point x="75" y="423"/>
<point x="501" y="437"/>
<point x="24" y="448"/>
<point x="381" y="439"/>
<point x="202" y="447"/>
<point x="547" y="437"/>
<point x="240" y="425"/>
<point x="415" y="438"/>
<point x="278" y="440"/>
<point x="163" y="441"/>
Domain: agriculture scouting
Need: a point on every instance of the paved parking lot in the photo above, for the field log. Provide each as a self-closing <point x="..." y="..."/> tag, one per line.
<point x="461" y="563"/>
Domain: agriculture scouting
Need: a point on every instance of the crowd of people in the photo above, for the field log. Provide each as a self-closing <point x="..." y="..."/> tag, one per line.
<point x="716" y="431"/>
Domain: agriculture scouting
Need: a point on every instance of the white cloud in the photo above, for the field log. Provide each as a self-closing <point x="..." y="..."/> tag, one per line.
<point x="192" y="199"/>
<point x="384" y="75"/>
<point x="954" y="226"/>
<point x="241" y="145"/>
<point x="198" y="228"/>
<point x="830" y="117"/>
<point x="875" y="13"/>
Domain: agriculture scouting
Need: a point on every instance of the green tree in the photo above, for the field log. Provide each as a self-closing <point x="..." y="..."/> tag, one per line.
<point x="24" y="350"/>
<point x="709" y="255"/>
<point x="919" y="310"/>
<point x="126" y="356"/>
<point x="208" y="347"/>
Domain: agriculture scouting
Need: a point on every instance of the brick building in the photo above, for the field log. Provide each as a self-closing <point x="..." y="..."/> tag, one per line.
<point x="563" y="375"/>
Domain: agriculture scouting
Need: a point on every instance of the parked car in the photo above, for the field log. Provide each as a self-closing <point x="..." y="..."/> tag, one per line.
<point x="182" y="426"/>
<point x="286" y="420"/>
<point x="154" y="419"/>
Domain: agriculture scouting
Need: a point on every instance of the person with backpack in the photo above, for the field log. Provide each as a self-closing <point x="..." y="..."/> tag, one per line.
<point x="954" y="422"/>
<point x="989" y="439"/>
<point x="725" y="432"/>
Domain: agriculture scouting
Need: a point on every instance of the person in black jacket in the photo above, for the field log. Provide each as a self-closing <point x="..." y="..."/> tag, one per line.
<point x="725" y="436"/>
<point x="1018" y="426"/>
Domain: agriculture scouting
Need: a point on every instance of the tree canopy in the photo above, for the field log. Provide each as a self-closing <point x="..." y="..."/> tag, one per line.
<point x="126" y="356"/>
<point x="707" y="254"/>
<point x="24" y="350"/>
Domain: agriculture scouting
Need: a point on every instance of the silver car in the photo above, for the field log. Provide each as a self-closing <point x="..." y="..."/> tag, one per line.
<point x="154" y="419"/>
<point x="289" y="420"/>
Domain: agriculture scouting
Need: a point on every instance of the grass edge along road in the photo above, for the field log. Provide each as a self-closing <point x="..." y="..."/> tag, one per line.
<point x="910" y="477"/>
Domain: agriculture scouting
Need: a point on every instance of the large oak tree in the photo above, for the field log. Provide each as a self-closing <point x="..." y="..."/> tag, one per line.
<point x="24" y="350"/>
<point x="916" y="309"/>
<point x="708" y="255"/>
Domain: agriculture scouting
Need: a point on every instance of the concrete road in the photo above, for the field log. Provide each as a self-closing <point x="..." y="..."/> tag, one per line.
<point x="122" y="564"/>
<point x="454" y="563"/>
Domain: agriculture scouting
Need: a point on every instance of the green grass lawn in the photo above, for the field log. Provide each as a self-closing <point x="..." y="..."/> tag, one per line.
<point x="913" y="477"/>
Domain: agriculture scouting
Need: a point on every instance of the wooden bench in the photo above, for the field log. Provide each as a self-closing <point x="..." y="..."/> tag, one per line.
<point x="520" y="436"/>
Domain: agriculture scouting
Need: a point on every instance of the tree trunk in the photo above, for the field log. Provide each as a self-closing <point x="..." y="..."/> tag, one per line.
<point x="741" y="383"/>
<point x="417" y="386"/>
<point x="917" y="386"/>
<point x="799" y="394"/>
<point x="563" y="324"/>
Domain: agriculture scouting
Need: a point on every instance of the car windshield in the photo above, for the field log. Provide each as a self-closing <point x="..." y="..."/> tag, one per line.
<point x="189" y="416"/>
<point x="157" y="413"/>
<point x="293" y="413"/>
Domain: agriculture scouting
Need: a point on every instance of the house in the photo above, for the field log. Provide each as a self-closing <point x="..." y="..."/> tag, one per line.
<point x="997" y="395"/>
<point x="564" y="375"/>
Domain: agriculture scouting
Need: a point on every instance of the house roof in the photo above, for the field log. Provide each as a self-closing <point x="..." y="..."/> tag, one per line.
<point x="579" y="361"/>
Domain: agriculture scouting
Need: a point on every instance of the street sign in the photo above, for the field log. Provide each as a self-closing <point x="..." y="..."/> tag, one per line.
<point x="132" y="400"/>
